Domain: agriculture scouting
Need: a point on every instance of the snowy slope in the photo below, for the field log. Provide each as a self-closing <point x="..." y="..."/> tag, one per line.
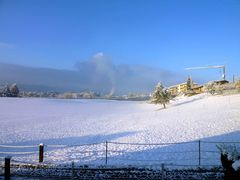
<point x="30" y="121"/>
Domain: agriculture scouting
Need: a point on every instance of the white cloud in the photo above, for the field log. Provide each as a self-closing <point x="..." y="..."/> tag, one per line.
<point x="98" y="55"/>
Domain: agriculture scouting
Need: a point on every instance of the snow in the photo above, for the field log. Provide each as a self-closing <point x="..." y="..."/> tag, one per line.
<point x="31" y="121"/>
<point x="236" y="165"/>
<point x="231" y="150"/>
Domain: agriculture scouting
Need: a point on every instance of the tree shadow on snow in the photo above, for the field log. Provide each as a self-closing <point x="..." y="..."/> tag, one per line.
<point x="67" y="142"/>
<point x="99" y="138"/>
<point x="186" y="102"/>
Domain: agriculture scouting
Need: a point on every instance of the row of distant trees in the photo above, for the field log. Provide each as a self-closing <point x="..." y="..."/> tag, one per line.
<point x="64" y="95"/>
<point x="13" y="91"/>
<point x="9" y="90"/>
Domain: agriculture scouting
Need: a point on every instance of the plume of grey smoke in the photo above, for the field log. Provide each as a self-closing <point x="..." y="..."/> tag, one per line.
<point x="101" y="71"/>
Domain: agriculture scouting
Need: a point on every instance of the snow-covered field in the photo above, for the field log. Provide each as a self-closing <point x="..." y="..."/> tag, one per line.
<point x="31" y="121"/>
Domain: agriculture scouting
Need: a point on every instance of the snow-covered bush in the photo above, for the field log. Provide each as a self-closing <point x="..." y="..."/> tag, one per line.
<point x="231" y="151"/>
<point x="230" y="159"/>
<point x="210" y="88"/>
<point x="214" y="88"/>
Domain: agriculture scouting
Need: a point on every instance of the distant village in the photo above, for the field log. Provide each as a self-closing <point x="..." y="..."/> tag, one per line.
<point x="187" y="88"/>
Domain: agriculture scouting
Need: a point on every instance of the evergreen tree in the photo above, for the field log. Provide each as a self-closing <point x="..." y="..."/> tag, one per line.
<point x="14" y="90"/>
<point x="160" y="95"/>
<point x="6" y="91"/>
<point x="9" y="91"/>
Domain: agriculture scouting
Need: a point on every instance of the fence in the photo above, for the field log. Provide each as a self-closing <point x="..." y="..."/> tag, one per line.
<point x="111" y="159"/>
<point x="193" y="153"/>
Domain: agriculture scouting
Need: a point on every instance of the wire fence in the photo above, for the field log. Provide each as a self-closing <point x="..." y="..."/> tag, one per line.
<point x="194" y="153"/>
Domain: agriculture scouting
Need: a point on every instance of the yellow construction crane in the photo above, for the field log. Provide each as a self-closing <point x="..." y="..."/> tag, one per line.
<point x="208" y="67"/>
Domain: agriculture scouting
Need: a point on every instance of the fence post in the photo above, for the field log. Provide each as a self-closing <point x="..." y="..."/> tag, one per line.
<point x="7" y="168"/>
<point x="106" y="153"/>
<point x="72" y="169"/>
<point x="199" y="152"/>
<point x="163" y="173"/>
<point x="41" y="152"/>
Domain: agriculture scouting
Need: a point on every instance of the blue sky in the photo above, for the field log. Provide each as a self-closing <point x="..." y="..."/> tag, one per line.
<point x="164" y="34"/>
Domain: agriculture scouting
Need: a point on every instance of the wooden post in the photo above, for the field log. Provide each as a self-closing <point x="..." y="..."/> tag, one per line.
<point x="41" y="152"/>
<point x="7" y="168"/>
<point x="163" y="173"/>
<point x="106" y="154"/>
<point x="199" y="153"/>
<point x="72" y="170"/>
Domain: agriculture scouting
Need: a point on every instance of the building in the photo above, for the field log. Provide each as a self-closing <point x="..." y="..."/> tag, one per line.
<point x="173" y="90"/>
<point x="178" y="88"/>
<point x="220" y="82"/>
<point x="198" y="89"/>
<point x="183" y="88"/>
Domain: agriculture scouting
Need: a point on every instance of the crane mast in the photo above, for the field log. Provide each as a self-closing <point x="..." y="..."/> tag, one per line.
<point x="210" y="67"/>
